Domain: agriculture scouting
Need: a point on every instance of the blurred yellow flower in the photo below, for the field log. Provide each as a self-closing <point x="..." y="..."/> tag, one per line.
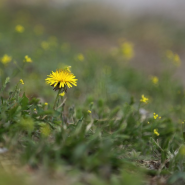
<point x="80" y="57"/>
<point x="34" y="109"/>
<point x="27" y="59"/>
<point x="127" y="50"/>
<point x="144" y="99"/>
<point x="45" y="103"/>
<point x="89" y="111"/>
<point x="62" y="94"/>
<point x="155" y="115"/>
<point x="155" y="80"/>
<point x="61" y="78"/>
<point x="169" y="54"/>
<point x="177" y="60"/>
<point x="21" y="81"/>
<point x="6" y="59"/>
<point x="45" y="45"/>
<point x="173" y="57"/>
<point x="19" y="28"/>
<point x="156" y="132"/>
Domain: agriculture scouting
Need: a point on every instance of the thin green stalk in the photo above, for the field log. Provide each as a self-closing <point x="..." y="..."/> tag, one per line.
<point x="56" y="100"/>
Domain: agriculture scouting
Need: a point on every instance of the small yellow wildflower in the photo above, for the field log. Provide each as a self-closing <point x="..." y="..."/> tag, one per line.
<point x="155" y="115"/>
<point x="182" y="122"/>
<point x="45" y="45"/>
<point x="155" y="80"/>
<point x="62" y="94"/>
<point x="34" y="109"/>
<point x="156" y="132"/>
<point x="21" y="81"/>
<point x="19" y="28"/>
<point x="148" y="122"/>
<point x="159" y="117"/>
<point x="89" y="111"/>
<point x="127" y="50"/>
<point x="144" y="99"/>
<point x="45" y="103"/>
<point x="27" y="59"/>
<point x="61" y="78"/>
<point x="6" y="59"/>
<point x="80" y="57"/>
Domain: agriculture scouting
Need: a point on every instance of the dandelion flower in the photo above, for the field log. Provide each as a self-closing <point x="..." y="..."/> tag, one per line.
<point x="21" y="81"/>
<point x="144" y="99"/>
<point x="27" y="59"/>
<point x="19" y="29"/>
<point x="45" y="103"/>
<point x="6" y="59"/>
<point x="61" y="78"/>
<point x="156" y="132"/>
<point x="89" y="111"/>
<point x="62" y="94"/>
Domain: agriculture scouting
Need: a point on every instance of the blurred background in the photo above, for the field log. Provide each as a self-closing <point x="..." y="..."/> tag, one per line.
<point x="153" y="27"/>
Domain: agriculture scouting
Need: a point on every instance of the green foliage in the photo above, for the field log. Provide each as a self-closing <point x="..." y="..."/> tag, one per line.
<point x="101" y="128"/>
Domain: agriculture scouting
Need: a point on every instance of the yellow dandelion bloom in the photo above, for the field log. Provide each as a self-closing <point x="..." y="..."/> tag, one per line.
<point x="156" y="132"/>
<point x="46" y="103"/>
<point x="89" y="111"/>
<point x="155" y="80"/>
<point x="27" y="59"/>
<point x="61" y="78"/>
<point x="21" y="81"/>
<point x="144" y="99"/>
<point x="6" y="59"/>
<point x="19" y="28"/>
<point x="34" y="109"/>
<point x="62" y="94"/>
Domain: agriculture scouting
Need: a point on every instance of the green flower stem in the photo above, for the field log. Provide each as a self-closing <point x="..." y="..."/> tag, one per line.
<point x="56" y="100"/>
